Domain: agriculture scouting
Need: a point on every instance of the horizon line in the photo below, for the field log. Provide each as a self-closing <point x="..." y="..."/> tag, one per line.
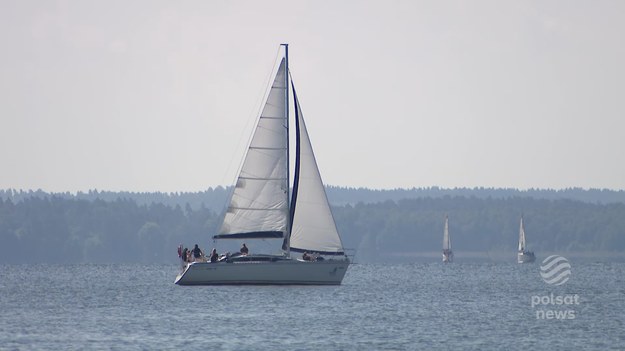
<point x="432" y="187"/>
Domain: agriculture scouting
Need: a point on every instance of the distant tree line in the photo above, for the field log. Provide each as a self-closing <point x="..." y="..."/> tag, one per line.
<point x="134" y="227"/>
<point x="387" y="229"/>
<point x="215" y="198"/>
<point x="61" y="230"/>
<point x="343" y="195"/>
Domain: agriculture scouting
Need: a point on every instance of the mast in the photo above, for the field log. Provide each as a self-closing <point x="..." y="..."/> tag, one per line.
<point x="287" y="240"/>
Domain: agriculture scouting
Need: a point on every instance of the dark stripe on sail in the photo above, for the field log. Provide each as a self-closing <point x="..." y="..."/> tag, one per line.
<point x="251" y="235"/>
<point x="339" y="253"/>
<point x="297" y="166"/>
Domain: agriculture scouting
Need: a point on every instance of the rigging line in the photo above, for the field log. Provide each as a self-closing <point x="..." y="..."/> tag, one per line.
<point x="257" y="178"/>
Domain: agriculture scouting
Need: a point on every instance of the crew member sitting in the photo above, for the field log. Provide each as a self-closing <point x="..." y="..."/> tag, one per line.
<point x="244" y="250"/>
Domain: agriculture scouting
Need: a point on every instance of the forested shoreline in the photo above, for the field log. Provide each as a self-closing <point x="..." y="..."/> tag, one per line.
<point x="110" y="227"/>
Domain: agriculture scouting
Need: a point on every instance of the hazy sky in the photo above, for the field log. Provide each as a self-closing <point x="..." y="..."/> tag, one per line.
<point x="162" y="95"/>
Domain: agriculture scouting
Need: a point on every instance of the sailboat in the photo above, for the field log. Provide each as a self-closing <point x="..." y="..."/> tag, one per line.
<point x="524" y="256"/>
<point x="264" y="205"/>
<point x="448" y="255"/>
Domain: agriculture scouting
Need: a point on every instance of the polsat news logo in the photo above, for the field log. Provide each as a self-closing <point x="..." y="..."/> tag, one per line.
<point x="555" y="270"/>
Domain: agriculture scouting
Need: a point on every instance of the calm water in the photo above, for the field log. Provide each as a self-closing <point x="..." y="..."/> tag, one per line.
<point x="474" y="306"/>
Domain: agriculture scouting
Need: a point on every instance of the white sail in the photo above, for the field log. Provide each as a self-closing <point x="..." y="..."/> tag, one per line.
<point x="313" y="229"/>
<point x="259" y="203"/>
<point x="524" y="256"/>
<point x="447" y="253"/>
<point x="446" y="239"/>
<point x="521" y="237"/>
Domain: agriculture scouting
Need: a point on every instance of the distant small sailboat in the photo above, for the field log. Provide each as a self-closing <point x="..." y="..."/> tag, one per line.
<point x="448" y="255"/>
<point x="524" y="256"/>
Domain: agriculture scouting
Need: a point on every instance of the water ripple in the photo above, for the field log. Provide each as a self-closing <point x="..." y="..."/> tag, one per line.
<point x="474" y="306"/>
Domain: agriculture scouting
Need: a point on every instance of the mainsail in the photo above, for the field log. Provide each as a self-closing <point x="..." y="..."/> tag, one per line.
<point x="259" y="204"/>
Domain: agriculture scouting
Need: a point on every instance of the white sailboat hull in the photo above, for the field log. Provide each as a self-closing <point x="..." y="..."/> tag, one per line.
<point x="448" y="257"/>
<point x="280" y="272"/>
<point x="526" y="257"/>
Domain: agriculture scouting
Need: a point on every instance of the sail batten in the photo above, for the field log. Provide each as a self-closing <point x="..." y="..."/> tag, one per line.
<point x="251" y="235"/>
<point x="255" y="209"/>
<point x="258" y="178"/>
<point x="266" y="148"/>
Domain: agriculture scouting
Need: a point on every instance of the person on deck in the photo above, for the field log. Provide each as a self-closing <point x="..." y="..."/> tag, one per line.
<point x="197" y="253"/>
<point x="244" y="250"/>
<point x="214" y="256"/>
<point x="185" y="255"/>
